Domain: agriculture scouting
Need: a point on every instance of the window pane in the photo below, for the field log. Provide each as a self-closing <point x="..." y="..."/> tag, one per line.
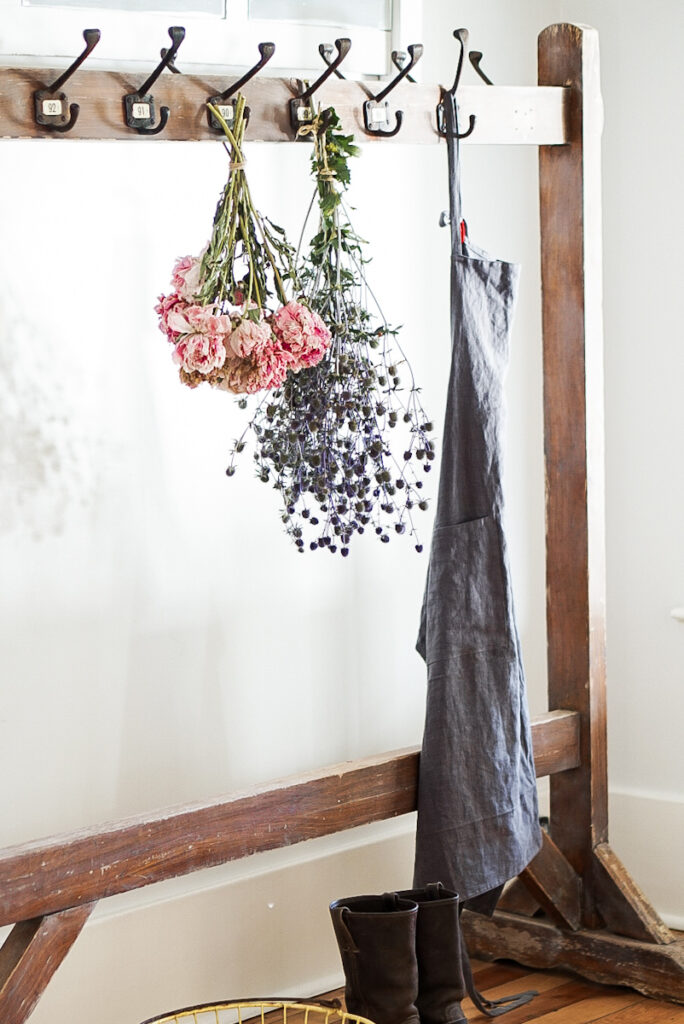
<point x="217" y="7"/>
<point x="369" y="13"/>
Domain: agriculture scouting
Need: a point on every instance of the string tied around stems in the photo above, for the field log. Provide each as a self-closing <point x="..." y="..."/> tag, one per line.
<point x="317" y="128"/>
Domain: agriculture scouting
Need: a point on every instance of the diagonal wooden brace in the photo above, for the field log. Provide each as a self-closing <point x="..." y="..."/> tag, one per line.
<point x="621" y="902"/>
<point x="30" y="956"/>
<point x="555" y="885"/>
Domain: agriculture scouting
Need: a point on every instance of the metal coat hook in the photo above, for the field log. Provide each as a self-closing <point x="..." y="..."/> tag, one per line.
<point x="462" y="35"/>
<point x="171" y="66"/>
<point x="139" y="106"/>
<point x="475" y="56"/>
<point x="223" y="102"/>
<point x="51" y="104"/>
<point x="399" y="58"/>
<point x="376" y="109"/>
<point x="301" y="107"/>
<point x="326" y="51"/>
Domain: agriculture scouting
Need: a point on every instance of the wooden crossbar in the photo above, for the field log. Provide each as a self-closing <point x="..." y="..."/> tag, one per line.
<point x="504" y="114"/>
<point x="66" y="871"/>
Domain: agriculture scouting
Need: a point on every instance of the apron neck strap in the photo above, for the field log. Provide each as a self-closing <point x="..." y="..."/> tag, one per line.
<point x="450" y="108"/>
<point x="454" y="161"/>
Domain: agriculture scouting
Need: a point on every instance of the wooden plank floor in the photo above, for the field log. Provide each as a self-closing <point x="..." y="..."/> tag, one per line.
<point x="562" y="999"/>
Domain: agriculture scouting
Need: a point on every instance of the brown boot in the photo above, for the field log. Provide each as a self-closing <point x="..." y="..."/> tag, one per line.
<point x="444" y="975"/>
<point x="377" y="940"/>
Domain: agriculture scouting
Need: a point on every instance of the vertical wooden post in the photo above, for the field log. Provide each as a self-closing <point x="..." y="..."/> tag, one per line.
<point x="570" y="195"/>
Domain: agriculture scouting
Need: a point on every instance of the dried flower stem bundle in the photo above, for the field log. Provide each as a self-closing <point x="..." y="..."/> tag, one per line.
<point x="228" y="318"/>
<point x="323" y="437"/>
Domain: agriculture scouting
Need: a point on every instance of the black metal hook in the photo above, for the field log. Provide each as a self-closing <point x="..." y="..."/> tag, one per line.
<point x="376" y="109"/>
<point x="139" y="106"/>
<point x="51" y="103"/>
<point x="462" y="35"/>
<point x="171" y="65"/>
<point x="399" y="58"/>
<point x="326" y="51"/>
<point x="475" y="56"/>
<point x="223" y="102"/>
<point x="301" y="107"/>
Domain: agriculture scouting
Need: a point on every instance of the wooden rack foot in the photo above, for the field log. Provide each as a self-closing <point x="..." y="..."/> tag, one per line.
<point x="600" y="955"/>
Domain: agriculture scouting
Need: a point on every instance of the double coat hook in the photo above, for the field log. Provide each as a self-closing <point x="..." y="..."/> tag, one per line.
<point x="301" y="107"/>
<point x="51" y="104"/>
<point x="139" y="106"/>
<point x="462" y="35"/>
<point x="376" y="117"/>
<point x="224" y="103"/>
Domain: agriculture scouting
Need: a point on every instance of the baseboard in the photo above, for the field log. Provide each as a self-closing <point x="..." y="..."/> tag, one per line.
<point x="647" y="834"/>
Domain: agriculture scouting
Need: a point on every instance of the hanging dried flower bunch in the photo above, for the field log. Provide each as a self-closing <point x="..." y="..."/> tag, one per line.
<point x="328" y="438"/>
<point x="228" y="317"/>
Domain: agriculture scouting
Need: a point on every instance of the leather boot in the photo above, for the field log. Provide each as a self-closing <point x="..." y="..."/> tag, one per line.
<point x="377" y="940"/>
<point x="444" y="975"/>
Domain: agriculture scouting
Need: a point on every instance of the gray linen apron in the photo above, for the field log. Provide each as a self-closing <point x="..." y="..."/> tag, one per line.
<point x="477" y="798"/>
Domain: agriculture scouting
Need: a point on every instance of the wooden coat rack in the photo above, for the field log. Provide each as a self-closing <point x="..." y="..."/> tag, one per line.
<point x="575" y="906"/>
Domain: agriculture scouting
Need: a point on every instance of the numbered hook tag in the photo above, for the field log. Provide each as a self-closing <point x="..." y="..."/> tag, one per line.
<point x="226" y="109"/>
<point x="140" y="110"/>
<point x="51" y="108"/>
<point x="376" y="115"/>
<point x="301" y="112"/>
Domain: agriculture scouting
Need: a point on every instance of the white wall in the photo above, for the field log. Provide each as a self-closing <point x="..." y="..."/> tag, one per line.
<point x="162" y="642"/>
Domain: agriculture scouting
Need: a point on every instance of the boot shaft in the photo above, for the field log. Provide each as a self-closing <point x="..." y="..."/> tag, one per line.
<point x="439" y="951"/>
<point x="376" y="936"/>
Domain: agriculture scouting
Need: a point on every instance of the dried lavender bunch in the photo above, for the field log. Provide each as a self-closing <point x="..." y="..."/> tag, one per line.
<point x="323" y="438"/>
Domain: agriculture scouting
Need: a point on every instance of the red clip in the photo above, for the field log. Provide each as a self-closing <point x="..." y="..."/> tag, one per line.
<point x="463" y="232"/>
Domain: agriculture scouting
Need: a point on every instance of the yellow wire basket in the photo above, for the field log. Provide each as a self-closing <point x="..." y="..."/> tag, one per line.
<point x="261" y="1011"/>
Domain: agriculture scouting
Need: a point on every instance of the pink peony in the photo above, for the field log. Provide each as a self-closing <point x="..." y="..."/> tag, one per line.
<point x="247" y="376"/>
<point x="185" y="319"/>
<point x="200" y="353"/>
<point x="250" y="338"/>
<point x="186" y="276"/>
<point x="301" y="333"/>
<point x="166" y="306"/>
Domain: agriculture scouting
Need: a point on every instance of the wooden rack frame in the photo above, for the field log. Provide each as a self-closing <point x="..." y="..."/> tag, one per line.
<point x="574" y="906"/>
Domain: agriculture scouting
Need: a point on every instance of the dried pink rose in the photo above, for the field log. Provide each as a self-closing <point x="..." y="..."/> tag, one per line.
<point x="186" y="276"/>
<point x="166" y="305"/>
<point x="200" y="353"/>
<point x="249" y="337"/>
<point x="301" y="333"/>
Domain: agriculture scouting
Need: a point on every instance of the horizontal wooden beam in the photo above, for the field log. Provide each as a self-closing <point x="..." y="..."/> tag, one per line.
<point x="65" y="871"/>
<point x="526" y="114"/>
<point x="656" y="970"/>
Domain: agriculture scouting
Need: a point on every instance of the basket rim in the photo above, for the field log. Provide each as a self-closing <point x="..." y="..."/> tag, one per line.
<point x="331" y="1008"/>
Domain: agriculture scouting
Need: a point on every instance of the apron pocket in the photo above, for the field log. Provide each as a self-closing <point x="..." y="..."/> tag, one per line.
<point x="471" y="747"/>
<point x="466" y="599"/>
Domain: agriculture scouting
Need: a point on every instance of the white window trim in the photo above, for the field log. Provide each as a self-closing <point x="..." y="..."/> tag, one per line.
<point x="41" y="35"/>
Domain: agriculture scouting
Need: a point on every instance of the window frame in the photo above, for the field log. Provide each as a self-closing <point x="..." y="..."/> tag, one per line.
<point x="45" y="35"/>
